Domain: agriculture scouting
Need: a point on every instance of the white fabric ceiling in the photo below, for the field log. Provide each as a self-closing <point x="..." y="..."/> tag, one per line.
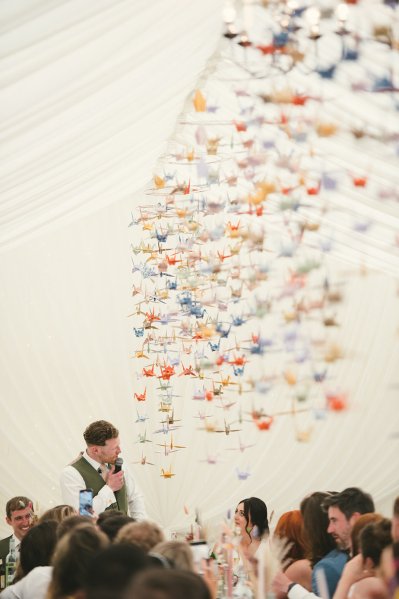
<point x="90" y="93"/>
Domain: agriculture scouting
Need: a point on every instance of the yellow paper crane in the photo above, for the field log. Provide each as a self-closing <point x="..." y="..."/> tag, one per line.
<point x="199" y="101"/>
<point x="159" y="182"/>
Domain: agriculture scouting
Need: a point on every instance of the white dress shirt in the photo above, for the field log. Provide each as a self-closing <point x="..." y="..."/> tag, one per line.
<point x="72" y="482"/>
<point x="32" y="586"/>
<point x="17" y="545"/>
<point x="299" y="592"/>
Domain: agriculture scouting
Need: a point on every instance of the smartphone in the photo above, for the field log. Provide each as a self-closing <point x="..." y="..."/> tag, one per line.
<point x="200" y="551"/>
<point x="86" y="502"/>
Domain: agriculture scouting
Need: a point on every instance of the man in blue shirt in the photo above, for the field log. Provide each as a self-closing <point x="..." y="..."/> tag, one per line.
<point x="343" y="510"/>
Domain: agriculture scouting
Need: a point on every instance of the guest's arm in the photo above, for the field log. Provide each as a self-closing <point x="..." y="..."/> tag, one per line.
<point x="283" y="587"/>
<point x="353" y="572"/>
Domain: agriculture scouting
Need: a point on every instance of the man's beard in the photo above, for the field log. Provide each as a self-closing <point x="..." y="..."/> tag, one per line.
<point x="342" y="545"/>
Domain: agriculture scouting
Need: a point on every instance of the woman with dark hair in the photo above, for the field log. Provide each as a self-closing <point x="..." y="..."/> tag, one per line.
<point x="37" y="548"/>
<point x="315" y="523"/>
<point x="251" y="518"/>
<point x="319" y="549"/>
<point x="323" y="555"/>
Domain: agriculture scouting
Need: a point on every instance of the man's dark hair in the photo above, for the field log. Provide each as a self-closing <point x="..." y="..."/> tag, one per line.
<point x="72" y="522"/>
<point x="108" y="514"/>
<point x="18" y="503"/>
<point x="111" y="526"/>
<point x="168" y="584"/>
<point x="111" y="570"/>
<point x="97" y="433"/>
<point x="396" y="508"/>
<point x="349" y="501"/>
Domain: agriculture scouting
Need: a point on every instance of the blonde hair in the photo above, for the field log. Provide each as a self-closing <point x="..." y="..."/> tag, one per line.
<point x="178" y="553"/>
<point x="58" y="513"/>
<point x="145" y="534"/>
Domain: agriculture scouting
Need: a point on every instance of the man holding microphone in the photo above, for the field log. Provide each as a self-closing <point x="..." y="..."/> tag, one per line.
<point x="99" y="468"/>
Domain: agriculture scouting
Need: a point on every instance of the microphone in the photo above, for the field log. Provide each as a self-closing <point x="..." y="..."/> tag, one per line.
<point x="118" y="465"/>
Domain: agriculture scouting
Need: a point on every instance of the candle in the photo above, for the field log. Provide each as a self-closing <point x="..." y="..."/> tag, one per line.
<point x="261" y="573"/>
<point x="229" y="571"/>
<point x="247" y="15"/>
<point x="342" y="12"/>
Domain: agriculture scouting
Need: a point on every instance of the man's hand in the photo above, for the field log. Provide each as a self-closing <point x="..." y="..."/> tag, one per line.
<point x="280" y="585"/>
<point x="114" y="481"/>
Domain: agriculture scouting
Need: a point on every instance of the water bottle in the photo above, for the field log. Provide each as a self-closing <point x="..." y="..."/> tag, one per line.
<point x="11" y="563"/>
<point x="2" y="574"/>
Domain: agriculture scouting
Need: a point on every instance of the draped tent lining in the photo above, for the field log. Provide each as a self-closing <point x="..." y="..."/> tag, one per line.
<point x="84" y="124"/>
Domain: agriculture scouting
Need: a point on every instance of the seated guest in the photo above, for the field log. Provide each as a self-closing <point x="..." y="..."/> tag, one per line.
<point x="110" y="513"/>
<point x="251" y="518"/>
<point x="395" y="521"/>
<point x="112" y="569"/>
<point x="58" y="513"/>
<point x="358" y="527"/>
<point x="20" y="516"/>
<point x="289" y="529"/>
<point x="35" y="584"/>
<point x="318" y="544"/>
<point x="178" y="554"/>
<point x="373" y="540"/>
<point x="168" y="584"/>
<point x="37" y="548"/>
<point x="343" y="510"/>
<point x="145" y="534"/>
<point x="72" y="522"/>
<point x="111" y="526"/>
<point x="71" y="559"/>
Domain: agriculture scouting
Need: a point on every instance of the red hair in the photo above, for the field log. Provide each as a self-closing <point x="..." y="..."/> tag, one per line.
<point x="290" y="527"/>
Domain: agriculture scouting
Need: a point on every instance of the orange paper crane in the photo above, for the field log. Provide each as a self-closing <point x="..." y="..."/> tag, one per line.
<point x="172" y="260"/>
<point x="166" y="372"/>
<point x="222" y="256"/>
<point x="187" y="371"/>
<point x="149" y="371"/>
<point x="232" y="230"/>
<point x="359" y="181"/>
<point x="167" y="473"/>
<point x="337" y="401"/>
<point x="264" y="423"/>
<point x="151" y="316"/>
<point x="239" y="361"/>
<point x="141" y="396"/>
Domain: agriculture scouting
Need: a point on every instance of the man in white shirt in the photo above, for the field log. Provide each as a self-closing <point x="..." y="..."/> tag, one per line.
<point x="95" y="469"/>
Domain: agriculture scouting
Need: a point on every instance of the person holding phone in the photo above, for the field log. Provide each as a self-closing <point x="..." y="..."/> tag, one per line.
<point x="95" y="469"/>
